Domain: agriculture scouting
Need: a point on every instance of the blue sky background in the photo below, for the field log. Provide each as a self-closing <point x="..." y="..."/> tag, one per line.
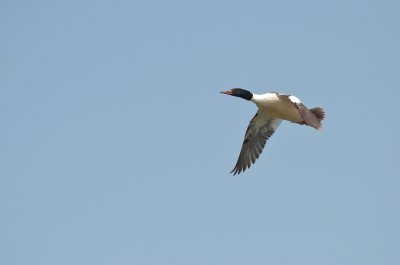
<point x="116" y="146"/>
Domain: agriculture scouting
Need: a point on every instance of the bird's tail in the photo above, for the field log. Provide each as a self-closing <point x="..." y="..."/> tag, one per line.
<point x="319" y="113"/>
<point x="311" y="117"/>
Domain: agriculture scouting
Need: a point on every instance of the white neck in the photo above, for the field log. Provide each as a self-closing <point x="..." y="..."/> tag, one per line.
<point x="257" y="98"/>
<point x="264" y="99"/>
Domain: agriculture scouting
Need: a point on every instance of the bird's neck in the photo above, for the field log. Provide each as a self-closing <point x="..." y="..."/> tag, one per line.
<point x="258" y="98"/>
<point x="264" y="99"/>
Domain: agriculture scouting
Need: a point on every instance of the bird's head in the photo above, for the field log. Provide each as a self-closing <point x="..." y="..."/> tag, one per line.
<point x="238" y="92"/>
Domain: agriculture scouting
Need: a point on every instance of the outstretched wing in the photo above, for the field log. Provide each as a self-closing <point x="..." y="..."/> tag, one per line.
<point x="260" y="129"/>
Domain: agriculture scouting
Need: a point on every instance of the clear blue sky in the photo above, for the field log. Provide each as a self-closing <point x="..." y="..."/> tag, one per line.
<point x="116" y="146"/>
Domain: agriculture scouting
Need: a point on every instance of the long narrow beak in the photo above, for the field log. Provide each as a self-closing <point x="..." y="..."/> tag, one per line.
<point x="228" y="92"/>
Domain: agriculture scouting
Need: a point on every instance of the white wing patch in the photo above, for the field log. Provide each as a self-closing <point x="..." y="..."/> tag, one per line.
<point x="294" y="99"/>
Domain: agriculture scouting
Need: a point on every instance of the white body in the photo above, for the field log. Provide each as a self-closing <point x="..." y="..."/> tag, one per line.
<point x="278" y="105"/>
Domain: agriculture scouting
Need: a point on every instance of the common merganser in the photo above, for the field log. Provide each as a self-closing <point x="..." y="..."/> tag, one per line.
<point x="272" y="109"/>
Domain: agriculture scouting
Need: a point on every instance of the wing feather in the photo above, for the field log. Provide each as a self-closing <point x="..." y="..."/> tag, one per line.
<point x="261" y="127"/>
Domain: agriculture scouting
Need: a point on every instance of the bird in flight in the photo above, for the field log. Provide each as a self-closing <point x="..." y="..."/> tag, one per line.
<point x="272" y="109"/>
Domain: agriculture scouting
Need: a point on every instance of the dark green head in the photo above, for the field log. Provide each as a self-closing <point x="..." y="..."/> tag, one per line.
<point x="238" y="92"/>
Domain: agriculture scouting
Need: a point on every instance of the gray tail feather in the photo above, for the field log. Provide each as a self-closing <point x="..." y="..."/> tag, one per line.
<point x="319" y="113"/>
<point x="312" y="117"/>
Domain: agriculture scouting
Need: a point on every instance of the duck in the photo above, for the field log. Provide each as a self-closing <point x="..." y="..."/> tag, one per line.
<point x="273" y="108"/>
